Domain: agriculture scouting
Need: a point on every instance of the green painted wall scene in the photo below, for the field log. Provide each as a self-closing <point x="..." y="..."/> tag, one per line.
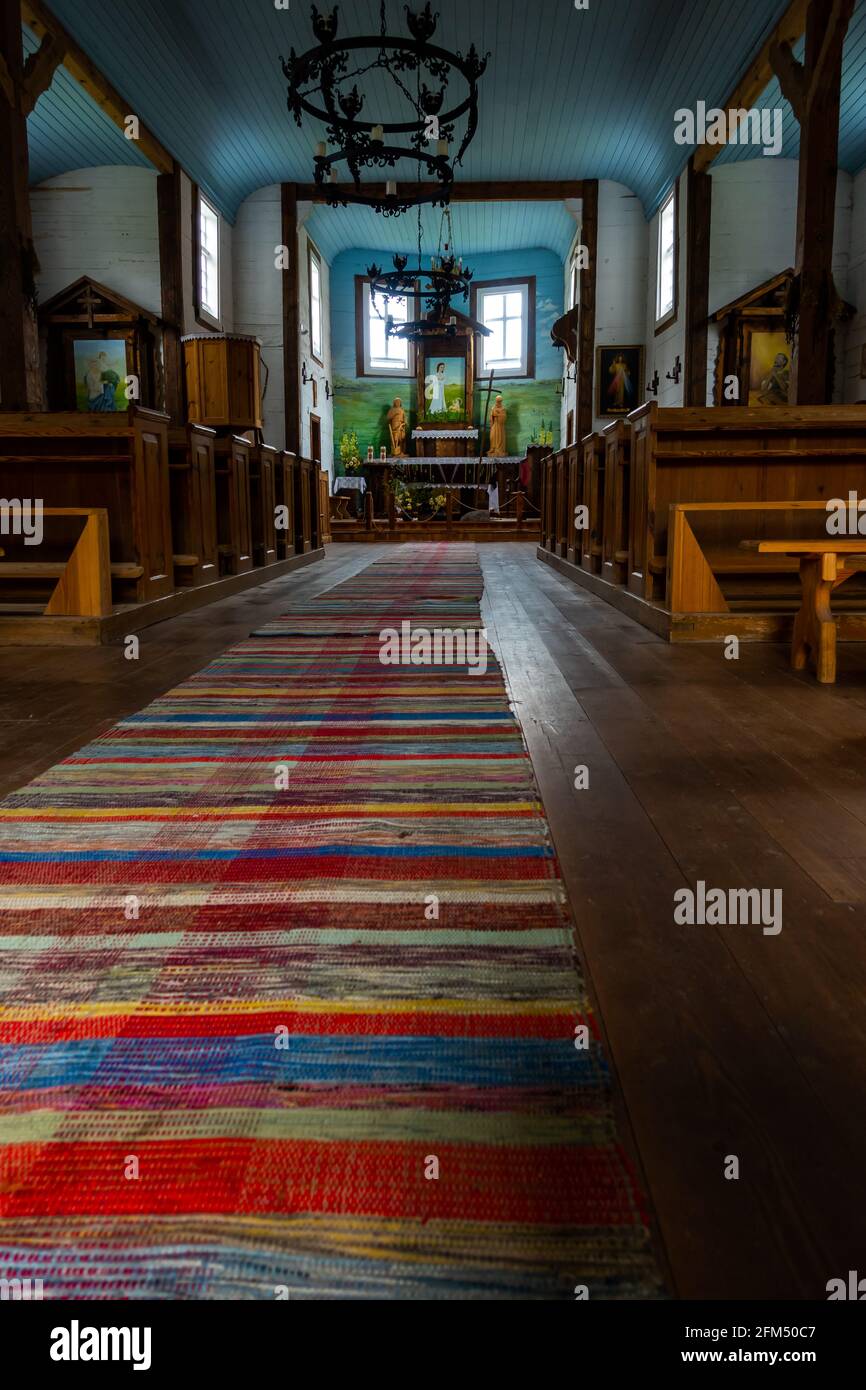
<point x="361" y="404"/>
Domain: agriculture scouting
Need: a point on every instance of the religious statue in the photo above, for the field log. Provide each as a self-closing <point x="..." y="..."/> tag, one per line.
<point x="397" y="428"/>
<point x="498" y="417"/>
<point x="775" y="387"/>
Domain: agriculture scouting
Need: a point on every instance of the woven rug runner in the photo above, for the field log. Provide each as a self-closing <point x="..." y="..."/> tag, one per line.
<point x="289" y="997"/>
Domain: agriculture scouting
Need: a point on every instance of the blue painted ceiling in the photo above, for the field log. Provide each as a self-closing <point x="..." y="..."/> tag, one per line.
<point x="478" y="227"/>
<point x="568" y="94"/>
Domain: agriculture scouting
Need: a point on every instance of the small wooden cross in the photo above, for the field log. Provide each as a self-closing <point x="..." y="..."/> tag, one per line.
<point x="90" y="302"/>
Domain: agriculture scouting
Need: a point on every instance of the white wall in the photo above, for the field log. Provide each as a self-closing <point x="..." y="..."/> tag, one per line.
<point x="753" y="238"/>
<point x="663" y="350"/>
<point x="102" y="223"/>
<point x="621" y="274"/>
<point x="324" y="406"/>
<point x="258" y="291"/>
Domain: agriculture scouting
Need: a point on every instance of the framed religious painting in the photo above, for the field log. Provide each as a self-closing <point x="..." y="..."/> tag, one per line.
<point x="444" y="397"/>
<point x="618" y="380"/>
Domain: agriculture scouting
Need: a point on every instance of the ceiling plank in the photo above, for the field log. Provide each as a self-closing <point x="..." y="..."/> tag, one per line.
<point x="758" y="75"/>
<point x="40" y="19"/>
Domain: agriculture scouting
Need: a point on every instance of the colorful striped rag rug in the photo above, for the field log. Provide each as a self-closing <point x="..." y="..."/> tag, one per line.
<point x="289" y="1002"/>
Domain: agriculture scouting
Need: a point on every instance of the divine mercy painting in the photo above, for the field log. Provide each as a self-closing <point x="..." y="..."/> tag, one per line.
<point x="618" y="375"/>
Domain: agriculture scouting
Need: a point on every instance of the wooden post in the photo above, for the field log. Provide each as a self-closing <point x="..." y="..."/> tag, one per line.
<point x="291" y="319"/>
<point x="586" y="326"/>
<point x="698" y="221"/>
<point x="368" y="511"/>
<point x="813" y="89"/>
<point x="171" y="280"/>
<point x="20" y="373"/>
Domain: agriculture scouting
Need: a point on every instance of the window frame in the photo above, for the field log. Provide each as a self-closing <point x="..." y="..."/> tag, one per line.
<point x="504" y="285"/>
<point x="203" y="314"/>
<point x="314" y="254"/>
<point x="670" y="316"/>
<point x="362" y="364"/>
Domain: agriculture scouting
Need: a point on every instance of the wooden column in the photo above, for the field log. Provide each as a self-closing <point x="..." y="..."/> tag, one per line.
<point x="171" y="278"/>
<point x="813" y="89"/>
<point x="20" y="374"/>
<point x="586" y="326"/>
<point x="699" y="194"/>
<point x="291" y="319"/>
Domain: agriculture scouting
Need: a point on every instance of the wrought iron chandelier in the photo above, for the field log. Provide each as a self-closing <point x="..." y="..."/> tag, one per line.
<point x="446" y="277"/>
<point x="324" y="73"/>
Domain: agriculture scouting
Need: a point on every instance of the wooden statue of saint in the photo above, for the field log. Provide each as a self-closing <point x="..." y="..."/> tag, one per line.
<point x="397" y="428"/>
<point x="498" y="418"/>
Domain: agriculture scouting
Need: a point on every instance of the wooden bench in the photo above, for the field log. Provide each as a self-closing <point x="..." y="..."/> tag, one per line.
<point x="116" y="461"/>
<point x="824" y="566"/>
<point x="593" y="500"/>
<point x="263" y="485"/>
<point x="84" y="579"/>
<point x="192" y="479"/>
<point x="733" y="454"/>
<point x="234" y="515"/>
<point x="615" y="526"/>
<point x="284" y="496"/>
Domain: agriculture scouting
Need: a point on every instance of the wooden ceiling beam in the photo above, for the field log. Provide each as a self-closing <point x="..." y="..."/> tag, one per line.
<point x="502" y="191"/>
<point x="38" y="17"/>
<point x="758" y="75"/>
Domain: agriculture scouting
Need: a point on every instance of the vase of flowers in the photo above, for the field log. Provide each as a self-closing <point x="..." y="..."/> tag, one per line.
<point x="349" y="452"/>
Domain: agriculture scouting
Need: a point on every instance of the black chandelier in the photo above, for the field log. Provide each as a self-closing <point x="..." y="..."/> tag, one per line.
<point x="446" y="277"/>
<point x="325" y="72"/>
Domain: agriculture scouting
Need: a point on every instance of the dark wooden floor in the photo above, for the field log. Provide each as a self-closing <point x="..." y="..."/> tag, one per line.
<point x="724" y="1041"/>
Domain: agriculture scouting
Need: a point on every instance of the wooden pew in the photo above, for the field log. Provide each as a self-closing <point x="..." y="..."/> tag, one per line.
<point x="284" y="496"/>
<point x="117" y="461"/>
<point x="710" y="570"/>
<point x="306" y="504"/>
<point x="730" y="454"/>
<point x="615" y="528"/>
<point x="825" y="564"/>
<point x="263" y="503"/>
<point x="324" y="507"/>
<point x="570" y="547"/>
<point x="192" y="472"/>
<point x="562" y="530"/>
<point x="548" y="501"/>
<point x="83" y="586"/>
<point x="593" y="500"/>
<point x="234" y="519"/>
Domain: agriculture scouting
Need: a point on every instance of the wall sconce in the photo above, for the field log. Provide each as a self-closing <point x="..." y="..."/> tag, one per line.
<point x="304" y="377"/>
<point x="327" y="389"/>
<point x="653" y="386"/>
<point x="676" y="373"/>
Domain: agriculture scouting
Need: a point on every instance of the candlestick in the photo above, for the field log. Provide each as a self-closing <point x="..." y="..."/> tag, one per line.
<point x="390" y="189"/>
<point x="377" y="133"/>
<point x="370" y="454"/>
<point x="383" y="454"/>
<point x="321" y="149"/>
<point x="442" y="147"/>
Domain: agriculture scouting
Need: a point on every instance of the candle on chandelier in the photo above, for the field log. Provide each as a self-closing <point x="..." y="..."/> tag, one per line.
<point x="321" y="149"/>
<point x="442" y="147"/>
<point x="377" y="133"/>
<point x="390" y="189"/>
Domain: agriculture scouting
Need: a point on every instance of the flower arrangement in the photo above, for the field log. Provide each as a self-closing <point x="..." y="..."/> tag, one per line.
<point x="417" y="501"/>
<point x="349" y="451"/>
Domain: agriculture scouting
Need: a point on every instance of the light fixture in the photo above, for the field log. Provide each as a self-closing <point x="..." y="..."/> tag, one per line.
<point x="324" y="73"/>
<point x="445" y="279"/>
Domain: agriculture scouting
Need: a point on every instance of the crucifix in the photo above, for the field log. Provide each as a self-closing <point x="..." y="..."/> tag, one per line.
<point x="89" y="300"/>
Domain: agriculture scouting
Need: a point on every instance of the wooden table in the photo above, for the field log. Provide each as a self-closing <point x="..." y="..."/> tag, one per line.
<point x="824" y="565"/>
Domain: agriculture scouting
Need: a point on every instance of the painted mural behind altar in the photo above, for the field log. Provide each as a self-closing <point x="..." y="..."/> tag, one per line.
<point x="361" y="404"/>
